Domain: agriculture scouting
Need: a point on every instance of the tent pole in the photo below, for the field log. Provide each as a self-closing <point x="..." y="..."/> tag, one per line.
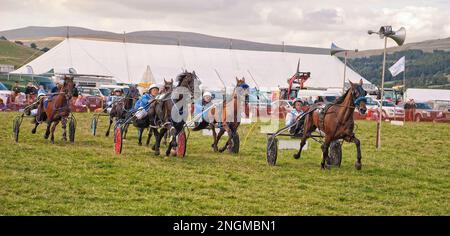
<point x="345" y="70"/>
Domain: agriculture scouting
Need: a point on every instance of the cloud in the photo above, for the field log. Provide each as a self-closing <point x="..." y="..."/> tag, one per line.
<point x="311" y="23"/>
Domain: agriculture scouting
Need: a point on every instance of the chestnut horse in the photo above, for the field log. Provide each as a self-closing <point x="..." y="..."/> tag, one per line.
<point x="57" y="110"/>
<point x="229" y="117"/>
<point x="336" y="121"/>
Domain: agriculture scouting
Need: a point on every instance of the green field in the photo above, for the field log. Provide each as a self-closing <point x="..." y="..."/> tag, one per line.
<point x="410" y="176"/>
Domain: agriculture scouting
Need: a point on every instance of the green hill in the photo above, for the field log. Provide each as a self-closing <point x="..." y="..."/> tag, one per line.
<point x="423" y="69"/>
<point x="15" y="54"/>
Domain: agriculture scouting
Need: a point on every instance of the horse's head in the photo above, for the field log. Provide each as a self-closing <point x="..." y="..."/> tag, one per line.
<point x="68" y="86"/>
<point x="359" y="96"/>
<point x="241" y="88"/>
<point x="168" y="86"/>
<point x="191" y="82"/>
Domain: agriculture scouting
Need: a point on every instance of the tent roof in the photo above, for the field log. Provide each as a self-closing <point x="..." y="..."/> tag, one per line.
<point x="127" y="61"/>
<point x="424" y="95"/>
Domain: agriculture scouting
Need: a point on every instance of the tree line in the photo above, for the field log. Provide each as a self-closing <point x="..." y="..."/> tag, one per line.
<point x="423" y="69"/>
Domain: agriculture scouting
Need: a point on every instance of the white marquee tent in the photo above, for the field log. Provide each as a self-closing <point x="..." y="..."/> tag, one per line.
<point x="127" y="62"/>
<point x="425" y="95"/>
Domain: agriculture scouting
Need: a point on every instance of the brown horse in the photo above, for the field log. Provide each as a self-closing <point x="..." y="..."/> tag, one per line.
<point x="228" y="117"/>
<point x="168" y="86"/>
<point x="164" y="112"/>
<point x="336" y="121"/>
<point x="57" y="110"/>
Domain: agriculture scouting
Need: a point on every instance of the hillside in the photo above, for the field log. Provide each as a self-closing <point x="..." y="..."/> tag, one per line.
<point x="423" y="69"/>
<point x="34" y="33"/>
<point x="426" y="46"/>
<point x="17" y="55"/>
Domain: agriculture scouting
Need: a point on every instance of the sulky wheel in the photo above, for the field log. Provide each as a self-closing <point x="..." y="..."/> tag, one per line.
<point x="181" y="140"/>
<point x="94" y="123"/>
<point x="72" y="129"/>
<point x="335" y="153"/>
<point x="118" y="140"/>
<point x="272" y="150"/>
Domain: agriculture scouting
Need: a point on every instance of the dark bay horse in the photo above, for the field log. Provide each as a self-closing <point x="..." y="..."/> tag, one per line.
<point x="56" y="110"/>
<point x="170" y="112"/>
<point x="144" y="123"/>
<point x="336" y="121"/>
<point x="119" y="109"/>
<point x="228" y="116"/>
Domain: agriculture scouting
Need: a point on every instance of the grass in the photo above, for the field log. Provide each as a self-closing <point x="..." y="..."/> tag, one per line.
<point x="410" y="176"/>
<point x="17" y="55"/>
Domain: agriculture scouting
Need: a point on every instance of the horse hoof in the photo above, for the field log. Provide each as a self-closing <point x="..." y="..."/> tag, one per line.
<point x="52" y="141"/>
<point x="153" y="148"/>
<point x="33" y="131"/>
<point x="156" y="153"/>
<point x="140" y="144"/>
<point x="107" y="135"/>
<point x="173" y="153"/>
<point x="358" y="165"/>
<point x="296" y="156"/>
<point x="46" y="136"/>
<point x="64" y="139"/>
<point x="325" y="167"/>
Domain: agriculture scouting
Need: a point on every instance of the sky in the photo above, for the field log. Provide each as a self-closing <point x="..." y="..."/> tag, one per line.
<point x="306" y="23"/>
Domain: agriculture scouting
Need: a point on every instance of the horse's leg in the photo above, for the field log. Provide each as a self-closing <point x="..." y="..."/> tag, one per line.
<point x="64" y="124"/>
<point x="47" y="131"/>
<point x="165" y="138"/>
<point x="230" y="134"/>
<point x="302" y="144"/>
<point x="33" y="131"/>
<point x="214" y="145"/>
<point x="307" y="130"/>
<point x="140" y="131"/>
<point x="52" y="138"/>
<point x="173" y="140"/>
<point x="157" y="140"/>
<point x="325" y="146"/>
<point x="219" y="136"/>
<point x="149" y="136"/>
<point x="109" y="127"/>
<point x="355" y="140"/>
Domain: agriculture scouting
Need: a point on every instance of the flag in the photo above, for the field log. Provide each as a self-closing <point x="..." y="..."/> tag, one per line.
<point x="398" y="67"/>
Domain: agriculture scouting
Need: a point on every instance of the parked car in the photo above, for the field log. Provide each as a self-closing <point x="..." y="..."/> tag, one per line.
<point x="390" y="110"/>
<point x="422" y="111"/>
<point x="93" y="96"/>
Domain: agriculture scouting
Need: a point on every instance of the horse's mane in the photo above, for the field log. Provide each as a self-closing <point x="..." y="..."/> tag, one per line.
<point x="342" y="98"/>
<point x="182" y="76"/>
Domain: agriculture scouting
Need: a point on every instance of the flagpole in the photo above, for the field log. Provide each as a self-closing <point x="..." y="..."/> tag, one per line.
<point x="380" y="118"/>
<point x="404" y="91"/>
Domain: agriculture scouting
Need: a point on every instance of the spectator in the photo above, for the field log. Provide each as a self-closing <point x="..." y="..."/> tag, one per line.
<point x="80" y="103"/>
<point x="41" y="89"/>
<point x="15" y="88"/>
<point x="30" y="92"/>
<point x="2" y="105"/>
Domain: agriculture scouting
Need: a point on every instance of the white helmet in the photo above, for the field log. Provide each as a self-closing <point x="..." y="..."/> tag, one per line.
<point x="153" y="86"/>
<point x="207" y="94"/>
